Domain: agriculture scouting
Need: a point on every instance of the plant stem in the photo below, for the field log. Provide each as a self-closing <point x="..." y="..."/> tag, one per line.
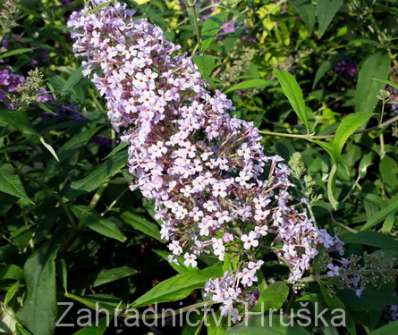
<point x="66" y="210"/>
<point x="199" y="329"/>
<point x="381" y="137"/>
<point x="114" y="202"/>
<point x="194" y="18"/>
<point x="311" y="137"/>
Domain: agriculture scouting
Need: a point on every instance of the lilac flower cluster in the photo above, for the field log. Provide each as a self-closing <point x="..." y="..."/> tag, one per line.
<point x="228" y="27"/>
<point x="393" y="99"/>
<point x="9" y="84"/>
<point x="215" y="192"/>
<point x="346" y="68"/>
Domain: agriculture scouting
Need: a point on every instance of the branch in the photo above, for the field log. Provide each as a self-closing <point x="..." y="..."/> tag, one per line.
<point x="310" y="137"/>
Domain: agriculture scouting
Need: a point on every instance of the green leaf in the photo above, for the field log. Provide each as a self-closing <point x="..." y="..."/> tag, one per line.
<point x="76" y="142"/>
<point x="389" y="171"/>
<point x="330" y="331"/>
<point x="388" y="224"/>
<point x="331" y="150"/>
<point x="142" y="225"/>
<point x="293" y="92"/>
<point x="97" y="301"/>
<point x="372" y="300"/>
<point x="390" y="329"/>
<point x="10" y="183"/>
<point x="348" y="126"/>
<point x="98" y="224"/>
<point x="331" y="185"/>
<point x="248" y="84"/>
<point x="20" y="121"/>
<point x="21" y="330"/>
<point x="49" y="148"/>
<point x="94" y="330"/>
<point x="322" y="70"/>
<point x="11" y="272"/>
<point x="11" y="292"/>
<point x="63" y="269"/>
<point x="306" y="10"/>
<point x="331" y="300"/>
<point x="111" y="275"/>
<point x="206" y="64"/>
<point x="390" y="206"/>
<point x="39" y="311"/>
<point x="117" y="149"/>
<point x="96" y="9"/>
<point x="374" y="67"/>
<point x="264" y="325"/>
<point x="334" y="303"/>
<point x="325" y="12"/>
<point x="273" y="296"/>
<point x="336" y="158"/>
<point x="373" y="239"/>
<point x="72" y="81"/>
<point x="15" y="52"/>
<point x="210" y="29"/>
<point x="17" y="120"/>
<point x="178" y="287"/>
<point x="102" y="173"/>
<point x="178" y="266"/>
<point x="214" y="324"/>
<point x="387" y="82"/>
<point x="366" y="161"/>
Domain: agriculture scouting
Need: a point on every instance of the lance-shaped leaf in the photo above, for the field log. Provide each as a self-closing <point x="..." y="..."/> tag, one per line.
<point x="39" y="311"/>
<point x="10" y="183"/>
<point x="100" y="225"/>
<point x="374" y="69"/>
<point x="178" y="287"/>
<point x="294" y="94"/>
<point x="325" y="12"/>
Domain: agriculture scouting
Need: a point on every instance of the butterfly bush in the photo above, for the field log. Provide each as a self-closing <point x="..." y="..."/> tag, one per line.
<point x="215" y="191"/>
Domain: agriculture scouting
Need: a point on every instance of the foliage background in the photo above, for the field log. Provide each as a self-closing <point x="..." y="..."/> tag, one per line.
<point x="70" y="228"/>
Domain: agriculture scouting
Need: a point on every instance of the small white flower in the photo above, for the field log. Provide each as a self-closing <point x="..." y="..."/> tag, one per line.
<point x="175" y="248"/>
<point x="204" y="226"/>
<point x="164" y="232"/>
<point x="218" y="247"/>
<point x="247" y="277"/>
<point x="249" y="240"/>
<point x="190" y="260"/>
<point x="219" y="189"/>
<point x="210" y="206"/>
<point x="261" y="230"/>
<point x="158" y="150"/>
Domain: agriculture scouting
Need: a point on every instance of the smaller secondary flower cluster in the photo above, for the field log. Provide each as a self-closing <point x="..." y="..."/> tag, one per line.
<point x="346" y="68"/>
<point x="393" y="99"/>
<point x="9" y="84"/>
<point x="233" y="288"/>
<point x="359" y="272"/>
<point x="215" y="191"/>
<point x="16" y="89"/>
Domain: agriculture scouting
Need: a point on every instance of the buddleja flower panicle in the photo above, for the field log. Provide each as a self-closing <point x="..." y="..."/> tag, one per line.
<point x="213" y="187"/>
